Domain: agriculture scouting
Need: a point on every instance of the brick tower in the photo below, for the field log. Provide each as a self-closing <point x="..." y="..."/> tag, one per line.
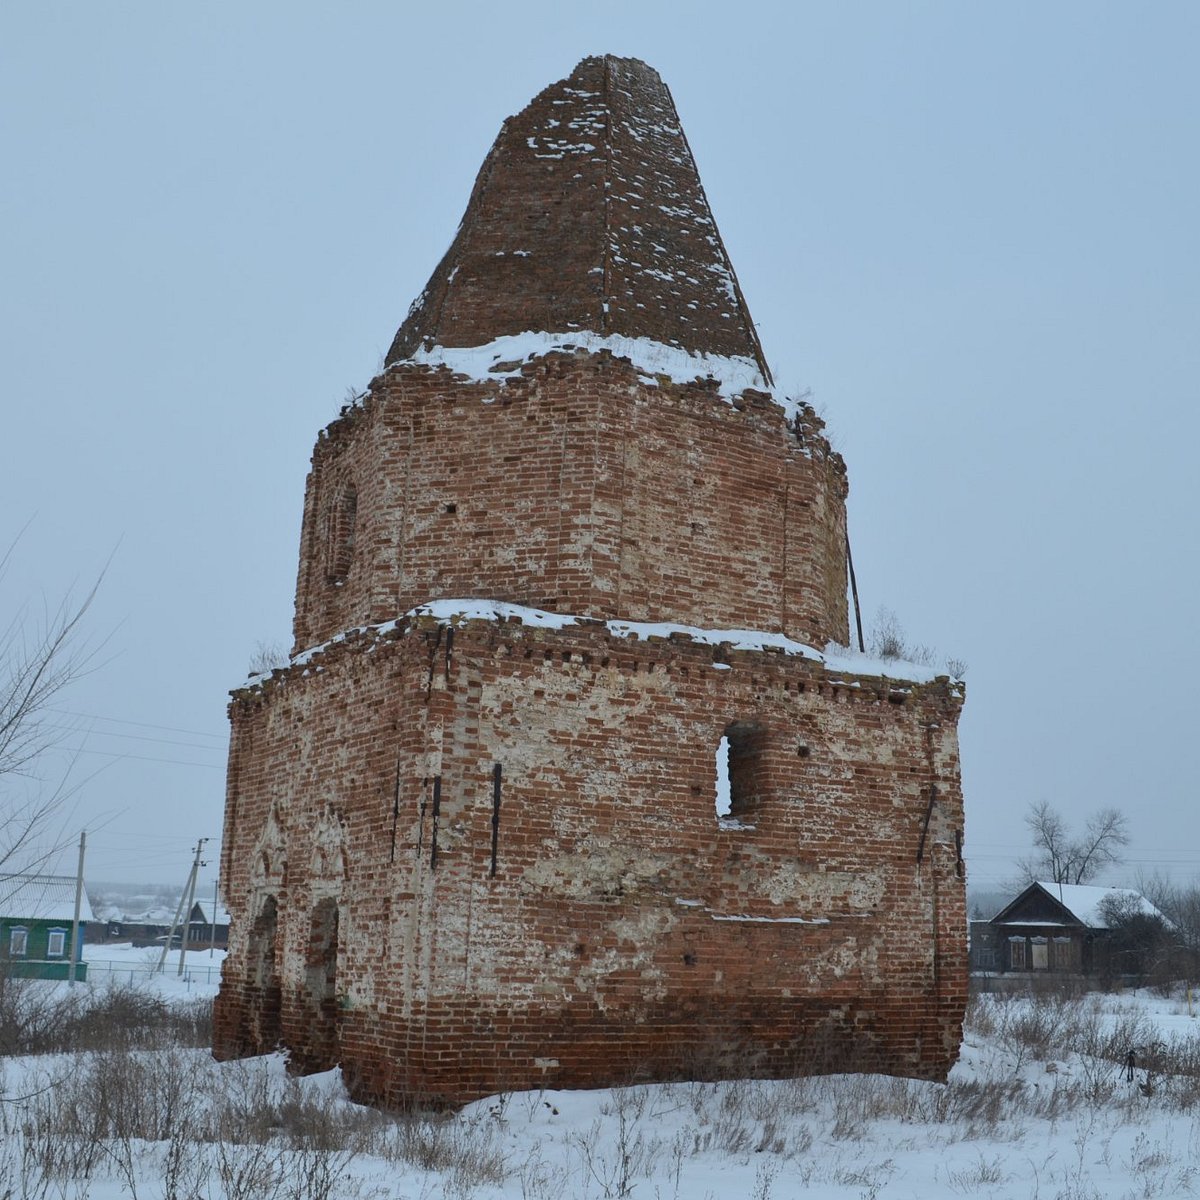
<point x="568" y="544"/>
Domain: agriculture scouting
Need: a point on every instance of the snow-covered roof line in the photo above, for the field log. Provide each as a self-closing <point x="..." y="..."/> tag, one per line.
<point x="41" y="898"/>
<point x="459" y="611"/>
<point x="1086" y="902"/>
<point x="502" y="358"/>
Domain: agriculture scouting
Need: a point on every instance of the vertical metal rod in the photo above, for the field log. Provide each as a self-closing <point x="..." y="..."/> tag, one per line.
<point x="212" y="925"/>
<point x="437" y="808"/>
<point x="395" y="809"/>
<point x="421" y="817"/>
<point x="925" y="823"/>
<point x="495" y="816"/>
<point x="862" y="649"/>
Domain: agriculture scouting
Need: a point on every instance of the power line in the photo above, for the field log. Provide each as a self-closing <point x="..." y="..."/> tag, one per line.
<point x="141" y="737"/>
<point x="144" y="724"/>
<point x="178" y="762"/>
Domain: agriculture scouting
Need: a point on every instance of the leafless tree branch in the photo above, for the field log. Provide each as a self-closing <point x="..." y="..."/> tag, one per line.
<point x="40" y="656"/>
<point x="1060" y="857"/>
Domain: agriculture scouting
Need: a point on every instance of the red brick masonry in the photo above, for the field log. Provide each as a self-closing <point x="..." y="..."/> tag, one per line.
<point x="625" y="934"/>
<point x="463" y="856"/>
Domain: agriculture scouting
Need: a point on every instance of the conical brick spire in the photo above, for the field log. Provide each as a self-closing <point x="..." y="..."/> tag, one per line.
<point x="588" y="215"/>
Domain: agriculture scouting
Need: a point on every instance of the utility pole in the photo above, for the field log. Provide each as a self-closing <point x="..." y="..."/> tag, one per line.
<point x="191" y="899"/>
<point x="189" y="889"/>
<point x="76" y="932"/>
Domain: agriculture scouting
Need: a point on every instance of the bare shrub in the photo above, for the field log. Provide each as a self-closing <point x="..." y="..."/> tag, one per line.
<point x="38" y="1018"/>
<point x="444" y="1143"/>
<point x="887" y="640"/>
<point x="248" y="1170"/>
<point x="267" y="656"/>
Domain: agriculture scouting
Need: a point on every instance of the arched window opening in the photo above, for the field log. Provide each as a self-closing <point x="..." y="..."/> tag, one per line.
<point x="321" y="962"/>
<point x="320" y="977"/>
<point x="264" y="998"/>
<point x="340" y="534"/>
<point x="741" y="783"/>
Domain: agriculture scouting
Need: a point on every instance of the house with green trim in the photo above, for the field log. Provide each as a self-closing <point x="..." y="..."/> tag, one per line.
<point x="37" y="916"/>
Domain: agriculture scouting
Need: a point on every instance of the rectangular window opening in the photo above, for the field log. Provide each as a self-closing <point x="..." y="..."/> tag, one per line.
<point x="1016" y="953"/>
<point x="741" y="777"/>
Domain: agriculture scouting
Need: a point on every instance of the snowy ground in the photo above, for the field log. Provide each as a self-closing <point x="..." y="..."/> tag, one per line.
<point x="1040" y="1106"/>
<point x="138" y="965"/>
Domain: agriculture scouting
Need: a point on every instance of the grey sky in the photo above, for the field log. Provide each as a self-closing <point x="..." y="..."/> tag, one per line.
<point x="971" y="230"/>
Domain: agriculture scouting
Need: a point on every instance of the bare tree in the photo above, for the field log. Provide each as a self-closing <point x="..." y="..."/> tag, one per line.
<point x="41" y="654"/>
<point x="1180" y="904"/>
<point x="1061" y="857"/>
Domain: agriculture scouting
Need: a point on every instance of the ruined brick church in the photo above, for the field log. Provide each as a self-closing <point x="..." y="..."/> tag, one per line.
<point x="568" y="544"/>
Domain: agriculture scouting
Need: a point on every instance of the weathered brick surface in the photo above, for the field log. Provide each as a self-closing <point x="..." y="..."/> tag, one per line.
<point x="588" y="214"/>
<point x="577" y="488"/>
<point x="625" y="934"/>
<point x="599" y="924"/>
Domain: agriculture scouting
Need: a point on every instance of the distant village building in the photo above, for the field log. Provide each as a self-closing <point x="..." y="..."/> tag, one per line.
<point x="207" y="926"/>
<point x="37" y="926"/>
<point x="1057" y="928"/>
<point x="568" y="544"/>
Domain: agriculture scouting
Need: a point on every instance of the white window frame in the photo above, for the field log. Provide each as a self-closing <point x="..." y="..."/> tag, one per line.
<point x="18" y="941"/>
<point x="58" y="936"/>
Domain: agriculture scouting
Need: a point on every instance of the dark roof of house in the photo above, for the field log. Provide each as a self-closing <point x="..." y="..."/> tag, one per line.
<point x="588" y="215"/>
<point x="1071" y="904"/>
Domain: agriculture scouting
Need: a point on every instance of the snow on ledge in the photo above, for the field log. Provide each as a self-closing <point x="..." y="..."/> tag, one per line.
<point x="456" y="612"/>
<point x="716" y="916"/>
<point x="733" y="373"/>
<point x="771" y="920"/>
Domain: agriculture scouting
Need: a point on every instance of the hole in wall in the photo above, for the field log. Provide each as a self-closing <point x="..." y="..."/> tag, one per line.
<point x="723" y="799"/>
<point x="741" y="778"/>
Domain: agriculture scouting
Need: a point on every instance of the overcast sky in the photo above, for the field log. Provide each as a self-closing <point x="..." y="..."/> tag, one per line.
<point x="971" y="230"/>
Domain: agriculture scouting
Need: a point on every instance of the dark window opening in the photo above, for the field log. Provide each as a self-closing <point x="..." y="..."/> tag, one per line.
<point x="264" y="994"/>
<point x="321" y="1022"/>
<point x="741" y="777"/>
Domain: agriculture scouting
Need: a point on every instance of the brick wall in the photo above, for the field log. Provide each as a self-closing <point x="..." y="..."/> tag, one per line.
<point x="588" y="214"/>
<point x="577" y="487"/>
<point x="601" y="924"/>
<point x="626" y="932"/>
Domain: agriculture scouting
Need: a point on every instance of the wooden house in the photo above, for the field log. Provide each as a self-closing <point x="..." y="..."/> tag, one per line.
<point x="1053" y="927"/>
<point x="207" y="926"/>
<point x="37" y="923"/>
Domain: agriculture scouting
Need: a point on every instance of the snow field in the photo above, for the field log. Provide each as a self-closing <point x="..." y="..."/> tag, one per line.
<point x="1039" y="1106"/>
